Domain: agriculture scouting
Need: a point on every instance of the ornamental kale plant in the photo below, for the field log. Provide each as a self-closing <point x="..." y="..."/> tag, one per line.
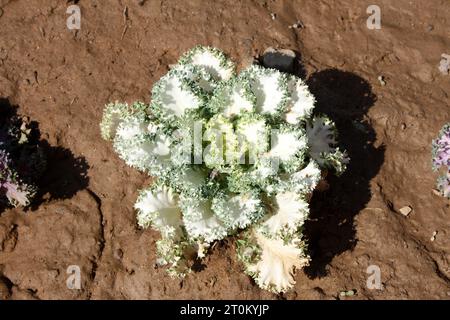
<point x="231" y="152"/>
<point x="21" y="161"/>
<point x="441" y="159"/>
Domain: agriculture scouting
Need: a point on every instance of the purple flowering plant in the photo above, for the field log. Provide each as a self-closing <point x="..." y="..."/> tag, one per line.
<point x="441" y="159"/>
<point x="21" y="161"/>
<point x="16" y="192"/>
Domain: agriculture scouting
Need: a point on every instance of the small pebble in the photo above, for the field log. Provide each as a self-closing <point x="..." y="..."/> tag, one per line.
<point x="118" y="254"/>
<point x="405" y="211"/>
<point x="403" y="126"/>
<point x="381" y="80"/>
<point x="430" y="27"/>
<point x="296" y="25"/>
<point x="273" y="16"/>
<point x="281" y="59"/>
<point x="444" y="66"/>
<point x="433" y="237"/>
<point x="437" y="192"/>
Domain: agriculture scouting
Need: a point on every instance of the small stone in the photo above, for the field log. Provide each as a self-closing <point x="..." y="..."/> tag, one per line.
<point x="437" y="192"/>
<point x="405" y="211"/>
<point x="430" y="27"/>
<point x="212" y="281"/>
<point x="381" y="80"/>
<point x="444" y="66"/>
<point x="118" y="254"/>
<point x="282" y="59"/>
<point x="273" y="16"/>
<point x="403" y="126"/>
<point x="296" y="25"/>
<point x="433" y="237"/>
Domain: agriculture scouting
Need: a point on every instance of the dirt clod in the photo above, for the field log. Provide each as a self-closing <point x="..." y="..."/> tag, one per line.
<point x="405" y="210"/>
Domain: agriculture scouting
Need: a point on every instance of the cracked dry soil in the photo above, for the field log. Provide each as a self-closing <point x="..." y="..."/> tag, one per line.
<point x="62" y="79"/>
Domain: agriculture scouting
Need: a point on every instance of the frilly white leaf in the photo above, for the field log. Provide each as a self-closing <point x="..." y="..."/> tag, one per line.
<point x="201" y="222"/>
<point x="277" y="260"/>
<point x="285" y="145"/>
<point x="301" y="101"/>
<point x="238" y="210"/>
<point x="213" y="60"/>
<point x="322" y="142"/>
<point x="287" y="212"/>
<point x="270" y="88"/>
<point x="159" y="208"/>
<point x="174" y="94"/>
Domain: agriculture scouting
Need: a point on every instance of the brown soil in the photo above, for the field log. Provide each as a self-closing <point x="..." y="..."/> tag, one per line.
<point x="62" y="79"/>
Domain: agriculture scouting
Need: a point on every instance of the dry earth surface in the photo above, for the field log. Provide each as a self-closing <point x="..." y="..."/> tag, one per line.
<point x="62" y="78"/>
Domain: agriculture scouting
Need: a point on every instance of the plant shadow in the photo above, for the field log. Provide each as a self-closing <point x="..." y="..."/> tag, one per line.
<point x="64" y="174"/>
<point x="346" y="99"/>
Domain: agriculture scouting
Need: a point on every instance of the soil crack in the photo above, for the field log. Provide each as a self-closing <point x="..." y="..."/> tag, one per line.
<point x="102" y="240"/>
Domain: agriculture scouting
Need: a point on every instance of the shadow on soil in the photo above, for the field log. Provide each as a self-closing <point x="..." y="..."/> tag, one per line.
<point x="64" y="174"/>
<point x="346" y="99"/>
